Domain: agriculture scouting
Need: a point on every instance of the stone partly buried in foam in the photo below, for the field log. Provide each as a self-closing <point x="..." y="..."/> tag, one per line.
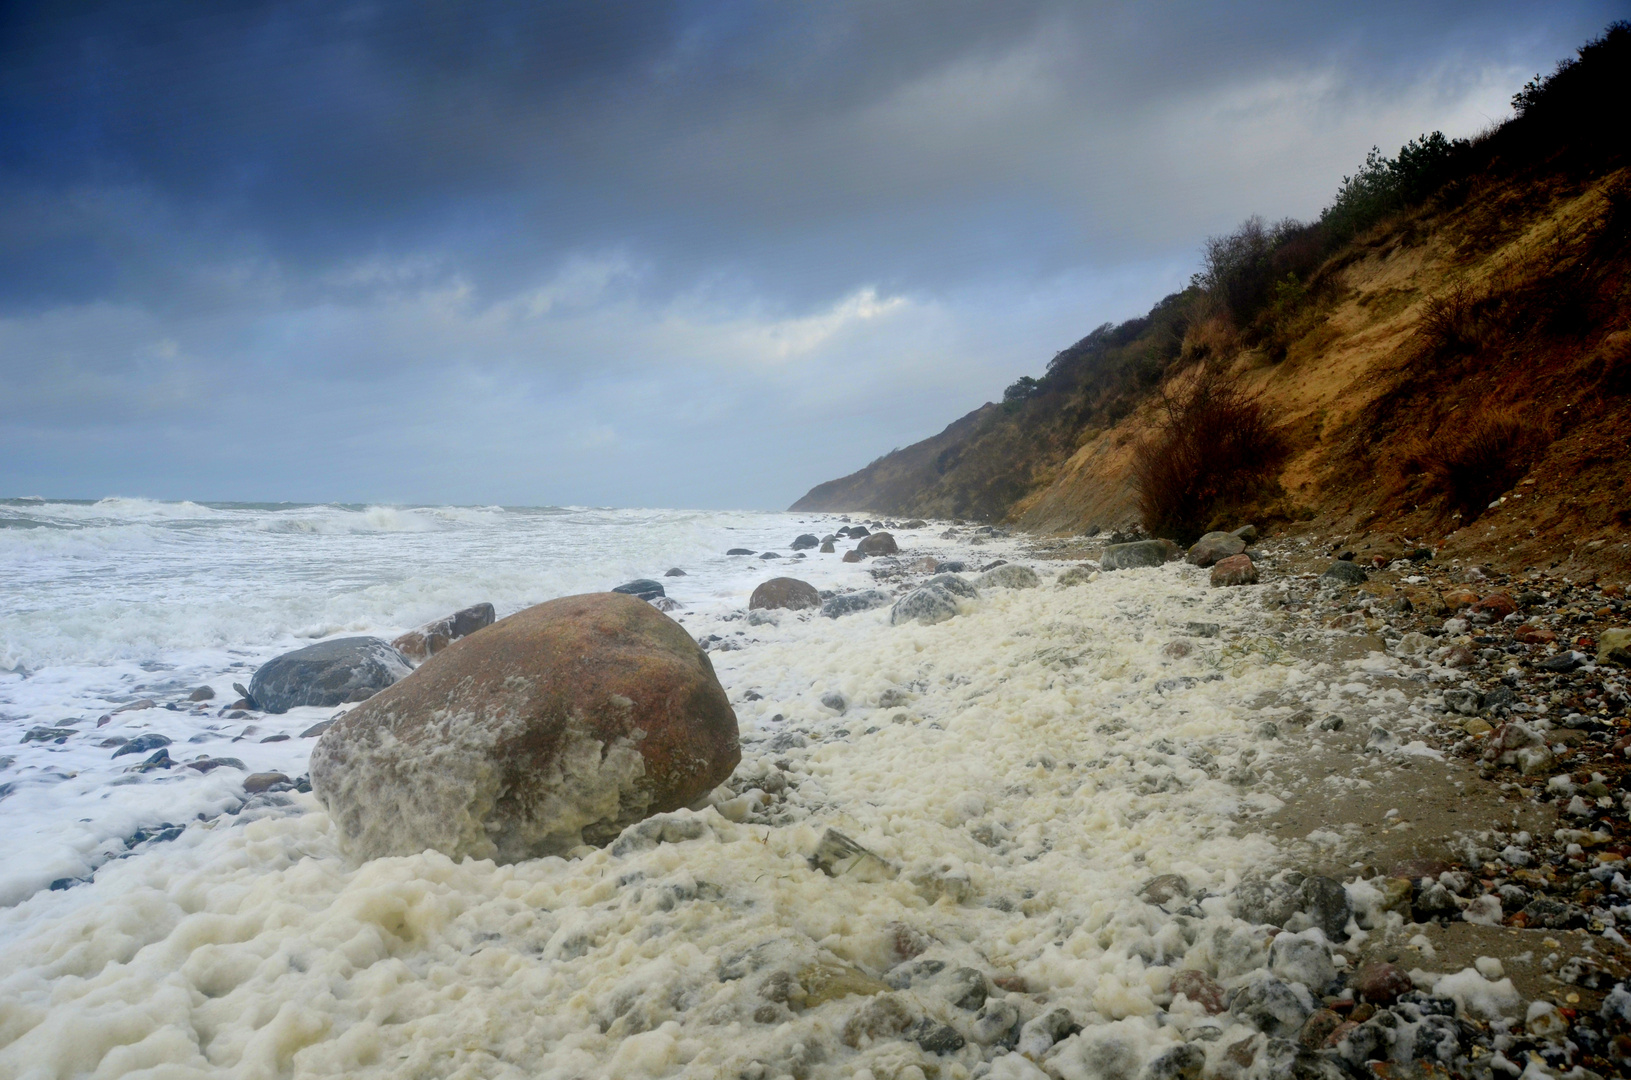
<point x="433" y="637"/>
<point x="559" y="725"/>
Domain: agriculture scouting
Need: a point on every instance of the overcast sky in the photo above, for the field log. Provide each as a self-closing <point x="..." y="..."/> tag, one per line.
<point x="639" y="254"/>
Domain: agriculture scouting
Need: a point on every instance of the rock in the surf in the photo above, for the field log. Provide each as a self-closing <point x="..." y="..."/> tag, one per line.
<point x="1138" y="553"/>
<point x="927" y="604"/>
<point x="956" y="585"/>
<point x="805" y="540"/>
<point x="1008" y="576"/>
<point x="327" y="674"/>
<point x="784" y="592"/>
<point x="878" y="543"/>
<point x="433" y="637"/>
<point x="560" y="725"/>
<point x="644" y="588"/>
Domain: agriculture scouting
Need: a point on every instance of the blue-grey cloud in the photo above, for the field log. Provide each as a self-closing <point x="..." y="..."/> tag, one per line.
<point x="684" y="253"/>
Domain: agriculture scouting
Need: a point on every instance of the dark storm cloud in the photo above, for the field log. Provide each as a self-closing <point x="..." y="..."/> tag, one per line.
<point x="625" y="205"/>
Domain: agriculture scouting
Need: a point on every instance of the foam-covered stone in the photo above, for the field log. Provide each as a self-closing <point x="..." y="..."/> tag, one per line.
<point x="1128" y="556"/>
<point x="928" y="604"/>
<point x="1008" y="576"/>
<point x="560" y="725"/>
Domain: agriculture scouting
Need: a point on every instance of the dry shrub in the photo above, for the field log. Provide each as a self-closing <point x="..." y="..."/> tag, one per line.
<point x="1457" y="323"/>
<point x="1214" y="447"/>
<point x="1473" y="457"/>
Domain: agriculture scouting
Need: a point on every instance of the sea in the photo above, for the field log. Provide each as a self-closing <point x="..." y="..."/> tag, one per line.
<point x="105" y="603"/>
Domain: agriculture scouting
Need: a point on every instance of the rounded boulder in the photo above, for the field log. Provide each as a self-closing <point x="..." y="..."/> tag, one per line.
<point x="1008" y="576"/>
<point x="784" y="592"/>
<point x="878" y="543"/>
<point x="327" y="674"/>
<point x="560" y="725"/>
<point x="927" y="604"/>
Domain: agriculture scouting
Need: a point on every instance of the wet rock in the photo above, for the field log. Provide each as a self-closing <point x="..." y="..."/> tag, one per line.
<point x="1214" y="546"/>
<point x="1344" y="573"/>
<point x="1563" y="662"/>
<point x="1463" y="701"/>
<point x="740" y="551"/>
<point x="327" y="674"/>
<point x="1271" y="1006"/>
<point x="210" y="764"/>
<point x="560" y="725"/>
<point x="1381" y="983"/>
<point x="433" y="637"/>
<point x="1183" y="1062"/>
<point x="1302" y="959"/>
<point x="142" y="744"/>
<point x="644" y="588"/>
<point x="1008" y="576"/>
<point x="928" y="604"/>
<point x="966" y="988"/>
<point x="827" y="547"/>
<point x="1076" y="575"/>
<point x="880" y="543"/>
<point x="674" y="571"/>
<point x="1435" y="902"/>
<point x="853" y="556"/>
<point x="998" y="1024"/>
<point x="1247" y="533"/>
<point x="1198" y="987"/>
<point x="902" y="976"/>
<point x="952" y="583"/>
<point x="1234" y="570"/>
<point x="849" y="603"/>
<point x="1137" y="554"/>
<point x="940" y="1039"/>
<point x="768" y="555"/>
<point x="203" y="693"/>
<point x="884" y="1016"/>
<point x="1544" y="913"/>
<point x="1165" y="888"/>
<point x="1318" y="1028"/>
<point x="805" y="541"/>
<point x="255" y="783"/>
<point x="784" y="593"/>
<point x="1496" y="605"/>
<point x="836" y="854"/>
<point x="835" y="701"/>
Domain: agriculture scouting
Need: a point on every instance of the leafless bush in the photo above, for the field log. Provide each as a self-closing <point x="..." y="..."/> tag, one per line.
<point x="1214" y="445"/>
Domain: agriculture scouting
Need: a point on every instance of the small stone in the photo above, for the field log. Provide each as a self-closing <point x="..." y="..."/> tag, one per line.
<point x="1234" y="570"/>
<point x="940" y="1039"/>
<point x="784" y="593"/>
<point x="883" y="1016"/>
<point x="827" y="547"/>
<point x="1464" y="701"/>
<point x="1318" y="1028"/>
<point x="1213" y="547"/>
<point x="644" y="588"/>
<point x="1381" y="983"/>
<point x="1614" y="646"/>
<point x="967" y="988"/>
<point x="141" y="744"/>
<point x="255" y="783"/>
<point x="1477" y="728"/>
<point x="1200" y="988"/>
<point x="674" y="571"/>
<point x="739" y="551"/>
<point x="1497" y="605"/>
<point x="1183" y="1062"/>
<point x="853" y="556"/>
<point x="1342" y="572"/>
<point x="203" y="693"/>
<point x="1164" y="889"/>
<point x="835" y="701"/>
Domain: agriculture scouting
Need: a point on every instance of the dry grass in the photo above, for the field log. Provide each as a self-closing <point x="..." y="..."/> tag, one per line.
<point x="1213" y="446"/>
<point x="1475" y="456"/>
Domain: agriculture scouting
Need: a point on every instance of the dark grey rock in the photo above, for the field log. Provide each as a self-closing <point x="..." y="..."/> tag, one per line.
<point x="1342" y="572"/>
<point x="803" y="541"/>
<point x="644" y="588"/>
<point x="835" y="701"/>
<point x="905" y="974"/>
<point x="1272" y="1007"/>
<point x="966" y="988"/>
<point x="141" y="744"/>
<point x="1183" y="1062"/>
<point x="739" y="551"/>
<point x="997" y="1024"/>
<point x="953" y="566"/>
<point x="940" y="1039"/>
<point x="1563" y="662"/>
<point x="1325" y="902"/>
<point x="1008" y="576"/>
<point x="959" y="586"/>
<point x="1464" y="701"/>
<point x="1138" y="553"/>
<point x="674" y="571"/>
<point x="850" y="603"/>
<point x="327" y="674"/>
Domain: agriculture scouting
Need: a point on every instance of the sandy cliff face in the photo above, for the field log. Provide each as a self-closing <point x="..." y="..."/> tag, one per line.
<point x="1507" y="304"/>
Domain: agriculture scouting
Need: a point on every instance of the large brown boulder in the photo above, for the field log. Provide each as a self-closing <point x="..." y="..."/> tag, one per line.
<point x="562" y="724"/>
<point x="879" y="543"/>
<point x="433" y="637"/>
<point x="785" y="592"/>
